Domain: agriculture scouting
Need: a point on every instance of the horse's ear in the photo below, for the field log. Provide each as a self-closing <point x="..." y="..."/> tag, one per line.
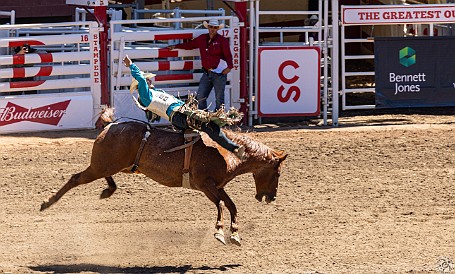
<point x="280" y="155"/>
<point x="283" y="157"/>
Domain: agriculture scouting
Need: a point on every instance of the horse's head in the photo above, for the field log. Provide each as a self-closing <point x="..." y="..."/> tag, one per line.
<point x="266" y="178"/>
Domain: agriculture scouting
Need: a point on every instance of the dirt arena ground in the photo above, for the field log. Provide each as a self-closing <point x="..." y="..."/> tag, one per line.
<point x="375" y="195"/>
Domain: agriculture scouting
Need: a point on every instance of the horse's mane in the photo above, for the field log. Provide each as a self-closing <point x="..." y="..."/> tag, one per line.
<point x="253" y="148"/>
<point x="105" y="117"/>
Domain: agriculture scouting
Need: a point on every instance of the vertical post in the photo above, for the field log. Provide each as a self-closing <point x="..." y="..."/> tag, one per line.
<point x="101" y="16"/>
<point x="255" y="53"/>
<point x="96" y="73"/>
<point x="209" y="4"/>
<point x="241" y="9"/>
<point x="252" y="62"/>
<point x="335" y="58"/>
<point x="13" y="17"/>
<point x="325" y="50"/>
<point x="165" y="5"/>
<point x="140" y="5"/>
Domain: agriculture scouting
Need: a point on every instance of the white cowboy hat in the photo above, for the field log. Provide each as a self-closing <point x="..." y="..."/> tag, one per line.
<point x="134" y="83"/>
<point x="213" y="23"/>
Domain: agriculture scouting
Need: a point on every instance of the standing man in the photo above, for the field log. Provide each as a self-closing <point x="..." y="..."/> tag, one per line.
<point x="216" y="59"/>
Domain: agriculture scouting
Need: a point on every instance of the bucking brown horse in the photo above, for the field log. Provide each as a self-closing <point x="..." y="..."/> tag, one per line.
<point x="210" y="166"/>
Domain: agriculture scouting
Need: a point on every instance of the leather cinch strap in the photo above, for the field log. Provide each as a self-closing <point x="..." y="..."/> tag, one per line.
<point x="139" y="152"/>
<point x="189" y="143"/>
<point x="190" y="140"/>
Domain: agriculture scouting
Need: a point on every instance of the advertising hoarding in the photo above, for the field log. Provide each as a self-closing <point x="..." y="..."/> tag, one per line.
<point x="414" y="72"/>
<point x="289" y="81"/>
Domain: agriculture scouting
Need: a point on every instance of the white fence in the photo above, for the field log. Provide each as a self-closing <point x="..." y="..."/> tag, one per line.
<point x="56" y="87"/>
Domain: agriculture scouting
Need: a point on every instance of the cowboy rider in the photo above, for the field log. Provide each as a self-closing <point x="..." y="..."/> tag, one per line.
<point x="167" y="106"/>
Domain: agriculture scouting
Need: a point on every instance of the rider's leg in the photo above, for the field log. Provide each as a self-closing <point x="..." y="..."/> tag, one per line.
<point x="217" y="135"/>
<point x="179" y="120"/>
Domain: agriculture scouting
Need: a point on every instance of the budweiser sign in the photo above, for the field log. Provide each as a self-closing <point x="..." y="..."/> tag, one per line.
<point x="49" y="114"/>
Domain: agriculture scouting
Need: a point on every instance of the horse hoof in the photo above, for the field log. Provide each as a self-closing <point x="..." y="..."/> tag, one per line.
<point x="106" y="194"/>
<point x="220" y="237"/>
<point x="235" y="239"/>
<point x="44" y="205"/>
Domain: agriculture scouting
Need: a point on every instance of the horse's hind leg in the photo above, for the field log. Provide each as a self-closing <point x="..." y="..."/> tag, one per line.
<point x="235" y="238"/>
<point x="80" y="178"/>
<point x="110" y="189"/>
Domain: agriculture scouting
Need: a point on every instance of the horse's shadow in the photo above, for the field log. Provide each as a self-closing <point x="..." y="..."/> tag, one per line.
<point x="95" y="268"/>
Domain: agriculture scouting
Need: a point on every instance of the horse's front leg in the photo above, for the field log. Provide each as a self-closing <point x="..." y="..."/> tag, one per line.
<point x="235" y="238"/>
<point x="213" y="194"/>
<point x="219" y="234"/>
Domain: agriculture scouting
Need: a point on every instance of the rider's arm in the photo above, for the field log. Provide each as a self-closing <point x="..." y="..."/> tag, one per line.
<point x="142" y="86"/>
<point x="139" y="76"/>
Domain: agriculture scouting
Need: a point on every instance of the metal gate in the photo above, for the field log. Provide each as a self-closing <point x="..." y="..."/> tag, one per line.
<point x="55" y="87"/>
<point x="319" y="46"/>
<point x="178" y="72"/>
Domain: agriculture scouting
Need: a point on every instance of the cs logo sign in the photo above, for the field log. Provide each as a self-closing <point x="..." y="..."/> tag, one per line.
<point x="293" y="91"/>
<point x="289" y="81"/>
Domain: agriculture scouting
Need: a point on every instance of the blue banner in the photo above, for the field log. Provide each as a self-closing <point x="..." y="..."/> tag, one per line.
<point x="414" y="71"/>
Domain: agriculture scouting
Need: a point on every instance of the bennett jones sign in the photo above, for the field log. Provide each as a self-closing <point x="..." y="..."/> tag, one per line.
<point x="289" y="81"/>
<point x="414" y="72"/>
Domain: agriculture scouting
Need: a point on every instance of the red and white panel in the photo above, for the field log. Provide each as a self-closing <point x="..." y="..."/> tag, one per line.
<point x="289" y="81"/>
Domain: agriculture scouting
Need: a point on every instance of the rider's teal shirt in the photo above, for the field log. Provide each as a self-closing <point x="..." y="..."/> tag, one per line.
<point x="146" y="94"/>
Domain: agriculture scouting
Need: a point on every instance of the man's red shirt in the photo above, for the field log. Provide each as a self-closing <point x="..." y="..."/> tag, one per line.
<point x="211" y="51"/>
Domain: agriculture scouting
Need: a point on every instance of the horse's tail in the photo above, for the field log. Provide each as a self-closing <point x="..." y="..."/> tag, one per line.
<point x="106" y="116"/>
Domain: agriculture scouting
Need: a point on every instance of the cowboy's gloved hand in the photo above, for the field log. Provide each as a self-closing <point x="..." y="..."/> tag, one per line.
<point x="127" y="61"/>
